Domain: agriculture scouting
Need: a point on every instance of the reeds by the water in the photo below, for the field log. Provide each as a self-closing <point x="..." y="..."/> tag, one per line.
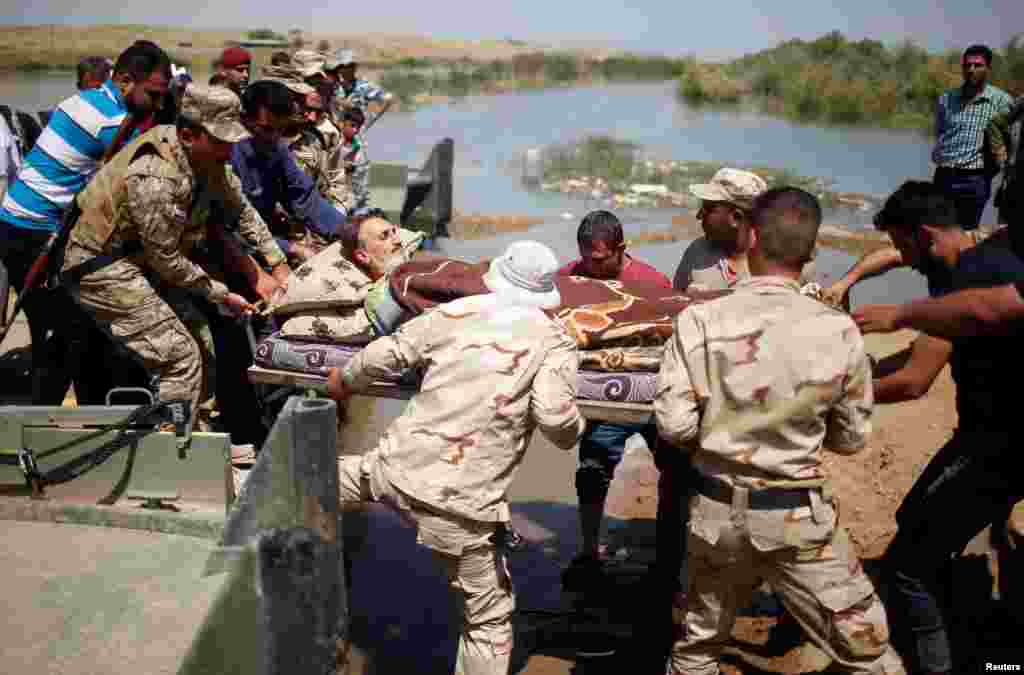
<point x="838" y="81"/>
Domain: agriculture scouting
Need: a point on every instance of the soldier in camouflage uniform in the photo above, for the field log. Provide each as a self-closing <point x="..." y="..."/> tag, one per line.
<point x="348" y="168"/>
<point x="496" y="368"/>
<point x="141" y="218"/>
<point x="752" y="385"/>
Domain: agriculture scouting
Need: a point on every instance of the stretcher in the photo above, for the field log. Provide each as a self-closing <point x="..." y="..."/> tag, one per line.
<point x="619" y="412"/>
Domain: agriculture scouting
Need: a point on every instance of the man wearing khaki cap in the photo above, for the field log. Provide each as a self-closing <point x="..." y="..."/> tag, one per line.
<point x="718" y="260"/>
<point x="139" y="220"/>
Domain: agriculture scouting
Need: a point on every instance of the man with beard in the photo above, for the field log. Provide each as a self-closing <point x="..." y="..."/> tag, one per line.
<point x="970" y="483"/>
<point x="961" y="117"/>
<point x="269" y="176"/>
<point x="142" y="219"/>
<point x="372" y="244"/>
<point x="65" y="157"/>
<point x="718" y="260"/>
<point x="309" y="146"/>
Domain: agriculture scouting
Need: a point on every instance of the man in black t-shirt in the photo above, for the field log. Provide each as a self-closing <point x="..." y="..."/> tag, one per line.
<point x="969" y="483"/>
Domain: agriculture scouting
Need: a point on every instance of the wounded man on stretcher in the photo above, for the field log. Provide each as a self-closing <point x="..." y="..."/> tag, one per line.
<point x="332" y="309"/>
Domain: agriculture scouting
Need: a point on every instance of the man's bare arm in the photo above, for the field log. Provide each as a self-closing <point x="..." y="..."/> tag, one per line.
<point x="928" y="355"/>
<point x="871" y="265"/>
<point x="975" y="311"/>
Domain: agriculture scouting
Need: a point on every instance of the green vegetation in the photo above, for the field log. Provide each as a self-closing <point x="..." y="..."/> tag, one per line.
<point x="612" y="166"/>
<point x="838" y="81"/>
<point x="411" y="78"/>
<point x="265" y="34"/>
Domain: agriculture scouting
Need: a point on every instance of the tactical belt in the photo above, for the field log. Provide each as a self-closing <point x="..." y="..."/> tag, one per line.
<point x="118" y="250"/>
<point x="759" y="500"/>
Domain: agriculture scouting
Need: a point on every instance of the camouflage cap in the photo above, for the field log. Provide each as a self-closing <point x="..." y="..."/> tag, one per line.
<point x="295" y="86"/>
<point x="739" y="188"/>
<point x="216" y="109"/>
<point x="308" y="63"/>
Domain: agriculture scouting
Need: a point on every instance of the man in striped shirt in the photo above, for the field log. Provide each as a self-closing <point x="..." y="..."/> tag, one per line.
<point x="65" y="157"/>
<point x="961" y="117"/>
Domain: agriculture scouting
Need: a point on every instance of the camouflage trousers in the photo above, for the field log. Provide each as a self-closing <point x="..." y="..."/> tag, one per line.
<point x="476" y="570"/>
<point x="163" y="329"/>
<point x="816" y="573"/>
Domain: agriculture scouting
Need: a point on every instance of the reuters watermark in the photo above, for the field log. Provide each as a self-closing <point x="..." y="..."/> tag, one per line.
<point x="1003" y="667"/>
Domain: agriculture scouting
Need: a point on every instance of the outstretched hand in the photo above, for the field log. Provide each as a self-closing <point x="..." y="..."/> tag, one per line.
<point x="876" y="318"/>
<point x="238" y="305"/>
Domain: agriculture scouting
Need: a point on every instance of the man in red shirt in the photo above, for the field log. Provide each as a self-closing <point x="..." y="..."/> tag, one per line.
<point x="602" y="256"/>
<point x="603" y="253"/>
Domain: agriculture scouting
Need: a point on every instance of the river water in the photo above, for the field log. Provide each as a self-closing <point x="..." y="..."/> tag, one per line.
<point x="492" y="134"/>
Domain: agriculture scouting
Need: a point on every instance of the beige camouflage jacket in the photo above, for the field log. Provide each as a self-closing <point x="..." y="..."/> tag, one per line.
<point x="754" y="383"/>
<point x="493" y="373"/>
<point x="312" y="156"/>
<point x="157" y="212"/>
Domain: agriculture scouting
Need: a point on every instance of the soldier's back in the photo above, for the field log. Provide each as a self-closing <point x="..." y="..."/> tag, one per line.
<point x="776" y="366"/>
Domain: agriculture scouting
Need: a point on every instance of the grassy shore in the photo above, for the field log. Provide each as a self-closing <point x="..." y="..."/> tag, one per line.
<point x="606" y="168"/>
<point x="417" y="69"/>
<point x="838" y="81"/>
<point x="60" y="47"/>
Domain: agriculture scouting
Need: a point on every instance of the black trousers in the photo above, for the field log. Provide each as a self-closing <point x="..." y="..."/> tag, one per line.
<point x="969" y="484"/>
<point x="67" y="346"/>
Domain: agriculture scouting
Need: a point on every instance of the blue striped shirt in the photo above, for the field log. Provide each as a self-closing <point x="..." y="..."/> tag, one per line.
<point x="64" y="158"/>
<point x="960" y="127"/>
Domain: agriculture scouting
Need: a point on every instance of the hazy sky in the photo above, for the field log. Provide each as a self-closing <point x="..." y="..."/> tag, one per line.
<point x="710" y="29"/>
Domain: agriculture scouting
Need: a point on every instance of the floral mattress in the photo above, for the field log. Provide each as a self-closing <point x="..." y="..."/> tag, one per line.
<point x="308" y="356"/>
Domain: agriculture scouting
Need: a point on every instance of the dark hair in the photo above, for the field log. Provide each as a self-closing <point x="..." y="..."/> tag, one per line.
<point x="218" y="80"/>
<point x="96" y="66"/>
<point x="599" y="226"/>
<point x="354" y="115"/>
<point x="141" y="60"/>
<point x="978" y="50"/>
<point x="273" y="96"/>
<point x="787" y="221"/>
<point x="349" y="233"/>
<point x="280" y="59"/>
<point x="914" y="204"/>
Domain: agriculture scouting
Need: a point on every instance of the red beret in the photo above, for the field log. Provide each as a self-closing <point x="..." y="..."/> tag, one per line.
<point x="234" y="56"/>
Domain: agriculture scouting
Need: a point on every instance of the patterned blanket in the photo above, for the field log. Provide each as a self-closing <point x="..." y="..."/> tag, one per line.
<point x="597" y="313"/>
<point x="309" y="356"/>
